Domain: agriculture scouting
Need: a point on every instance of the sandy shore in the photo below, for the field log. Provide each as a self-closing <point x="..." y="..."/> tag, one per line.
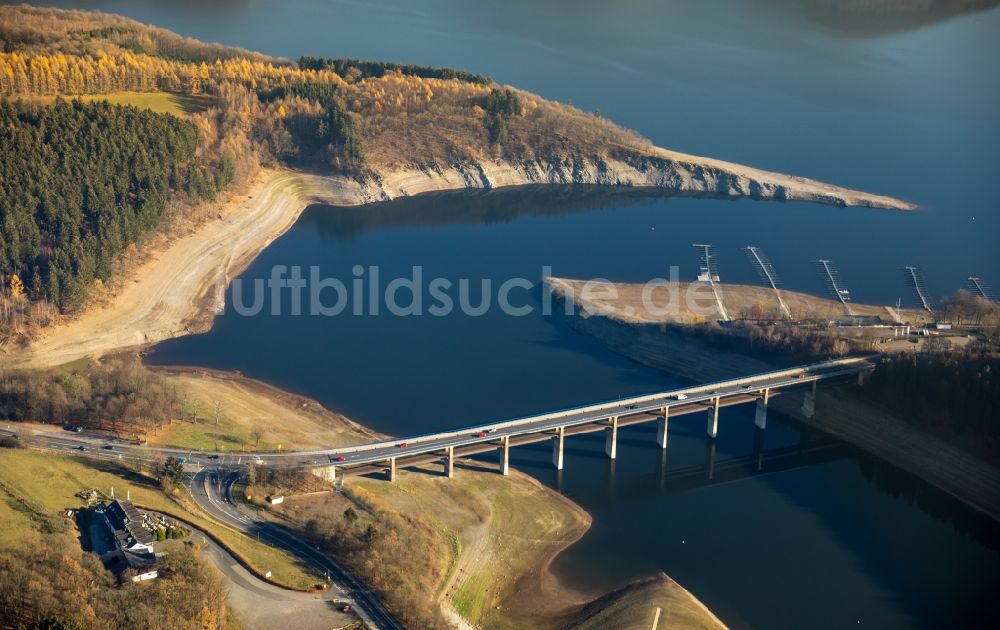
<point x="181" y="287"/>
<point x="695" y="303"/>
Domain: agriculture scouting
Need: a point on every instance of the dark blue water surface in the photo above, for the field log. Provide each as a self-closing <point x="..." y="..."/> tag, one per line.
<point x="821" y="536"/>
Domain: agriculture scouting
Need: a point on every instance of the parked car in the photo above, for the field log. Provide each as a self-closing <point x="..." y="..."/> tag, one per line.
<point x="108" y="447"/>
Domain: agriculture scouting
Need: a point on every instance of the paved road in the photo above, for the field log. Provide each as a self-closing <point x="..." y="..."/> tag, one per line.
<point x="683" y="399"/>
<point x="260" y="605"/>
<point x="214" y="473"/>
<point x="212" y="490"/>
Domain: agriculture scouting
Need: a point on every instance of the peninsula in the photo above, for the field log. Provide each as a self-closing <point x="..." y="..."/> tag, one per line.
<point x="215" y="151"/>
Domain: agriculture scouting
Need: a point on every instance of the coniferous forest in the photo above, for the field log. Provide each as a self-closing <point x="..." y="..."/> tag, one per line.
<point x="83" y="181"/>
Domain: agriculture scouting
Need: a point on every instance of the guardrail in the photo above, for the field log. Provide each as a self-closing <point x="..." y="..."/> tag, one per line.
<point x="861" y="362"/>
<point x="821" y="370"/>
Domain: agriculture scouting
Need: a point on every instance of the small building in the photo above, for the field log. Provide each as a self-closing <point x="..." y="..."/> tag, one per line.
<point x="141" y="566"/>
<point x="129" y="525"/>
<point x="275" y="499"/>
<point x="133" y="542"/>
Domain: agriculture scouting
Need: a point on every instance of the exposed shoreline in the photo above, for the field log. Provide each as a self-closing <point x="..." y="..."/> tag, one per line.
<point x="667" y="346"/>
<point x="182" y="287"/>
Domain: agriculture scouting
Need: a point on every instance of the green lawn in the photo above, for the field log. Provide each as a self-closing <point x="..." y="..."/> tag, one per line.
<point x="161" y="102"/>
<point x="15" y="522"/>
<point x="47" y="483"/>
<point x="206" y="435"/>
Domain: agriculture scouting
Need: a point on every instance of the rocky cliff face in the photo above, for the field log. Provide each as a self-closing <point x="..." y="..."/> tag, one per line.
<point x="672" y="172"/>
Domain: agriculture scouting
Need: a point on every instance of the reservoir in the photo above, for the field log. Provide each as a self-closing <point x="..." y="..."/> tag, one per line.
<point x="822" y="536"/>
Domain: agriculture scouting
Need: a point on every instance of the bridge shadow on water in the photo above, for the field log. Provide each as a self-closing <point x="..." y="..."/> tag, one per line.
<point x="823" y="480"/>
<point x="827" y="482"/>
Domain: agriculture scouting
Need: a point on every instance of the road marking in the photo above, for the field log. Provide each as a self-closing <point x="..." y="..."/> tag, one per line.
<point x="656" y="618"/>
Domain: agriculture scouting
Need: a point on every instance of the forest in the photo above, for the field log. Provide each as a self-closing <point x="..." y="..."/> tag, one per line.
<point x="354" y="69"/>
<point x="949" y="392"/>
<point x="49" y="582"/>
<point x="119" y="396"/>
<point x="80" y="183"/>
<point x="70" y="218"/>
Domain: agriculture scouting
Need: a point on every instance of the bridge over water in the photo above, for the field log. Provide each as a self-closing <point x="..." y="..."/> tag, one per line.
<point x="444" y="448"/>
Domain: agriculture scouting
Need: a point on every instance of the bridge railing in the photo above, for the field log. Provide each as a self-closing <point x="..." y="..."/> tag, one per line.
<point x="862" y="362"/>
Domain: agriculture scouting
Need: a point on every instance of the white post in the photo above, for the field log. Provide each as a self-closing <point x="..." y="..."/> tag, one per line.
<point x="505" y="455"/>
<point x="557" y="447"/>
<point x="611" y="438"/>
<point x="449" y="462"/>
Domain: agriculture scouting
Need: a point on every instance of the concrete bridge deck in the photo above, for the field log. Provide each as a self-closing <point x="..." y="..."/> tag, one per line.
<point x="386" y="456"/>
<point x="446" y="447"/>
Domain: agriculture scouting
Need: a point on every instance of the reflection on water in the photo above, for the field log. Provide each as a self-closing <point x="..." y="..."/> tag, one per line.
<point x="879" y="17"/>
<point x="736" y="520"/>
<point x="806" y="542"/>
<point x="475" y="206"/>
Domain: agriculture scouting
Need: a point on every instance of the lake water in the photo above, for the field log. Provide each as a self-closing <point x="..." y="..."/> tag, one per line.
<point x="827" y="537"/>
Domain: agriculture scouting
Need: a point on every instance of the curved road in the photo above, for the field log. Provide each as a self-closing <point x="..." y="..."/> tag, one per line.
<point x="212" y="490"/>
<point x="214" y="473"/>
<point x="260" y="604"/>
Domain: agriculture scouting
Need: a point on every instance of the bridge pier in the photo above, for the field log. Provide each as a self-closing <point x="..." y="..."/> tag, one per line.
<point x="760" y="419"/>
<point x="449" y="462"/>
<point x="863" y="377"/>
<point x="713" y="418"/>
<point x="809" y="402"/>
<point x="326" y="473"/>
<point x="662" y="427"/>
<point x="557" y="447"/>
<point x="611" y="438"/>
<point x="391" y="471"/>
<point x="505" y="455"/>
